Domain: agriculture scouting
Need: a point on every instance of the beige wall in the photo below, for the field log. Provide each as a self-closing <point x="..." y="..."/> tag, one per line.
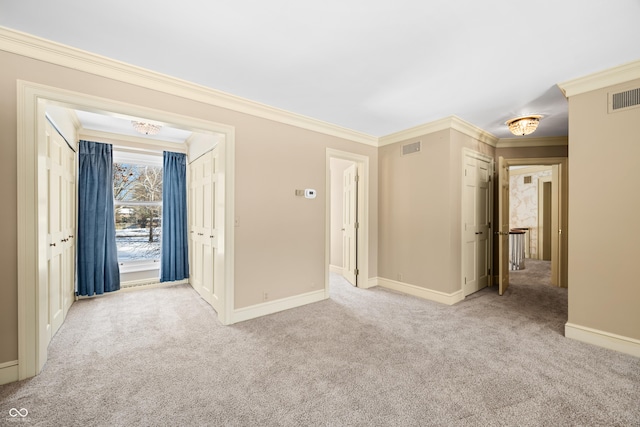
<point x="414" y="238"/>
<point x="420" y="218"/>
<point x="604" y="204"/>
<point x="280" y="238"/>
<point x="8" y="215"/>
<point x="532" y="152"/>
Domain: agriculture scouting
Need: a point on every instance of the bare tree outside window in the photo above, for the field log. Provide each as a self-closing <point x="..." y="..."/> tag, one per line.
<point x="138" y="203"/>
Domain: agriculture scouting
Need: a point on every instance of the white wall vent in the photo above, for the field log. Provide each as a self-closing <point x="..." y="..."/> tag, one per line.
<point x="411" y="148"/>
<point x="624" y="100"/>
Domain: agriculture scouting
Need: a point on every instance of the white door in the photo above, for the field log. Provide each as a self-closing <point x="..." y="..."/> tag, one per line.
<point x="503" y="225"/>
<point x="69" y="228"/>
<point x="195" y="218"/>
<point x="55" y="250"/>
<point x="350" y="224"/>
<point x="476" y="217"/>
<point x="60" y="229"/>
<point x="204" y="228"/>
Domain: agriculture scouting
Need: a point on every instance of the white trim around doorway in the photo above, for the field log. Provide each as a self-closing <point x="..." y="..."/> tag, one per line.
<point x="31" y="101"/>
<point x="563" y="198"/>
<point x="363" y="216"/>
<point x="466" y="152"/>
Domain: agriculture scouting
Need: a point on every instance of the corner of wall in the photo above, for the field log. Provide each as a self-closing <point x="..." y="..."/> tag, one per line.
<point x="603" y="339"/>
<point x="610" y="77"/>
<point x="420" y="292"/>
<point x="9" y="372"/>
<point x="271" y="307"/>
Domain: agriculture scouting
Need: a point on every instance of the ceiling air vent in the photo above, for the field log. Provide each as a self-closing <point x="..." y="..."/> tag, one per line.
<point x="412" y="148"/>
<point x="624" y="100"/>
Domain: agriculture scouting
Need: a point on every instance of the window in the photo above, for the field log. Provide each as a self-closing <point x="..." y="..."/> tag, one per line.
<point x="137" y="192"/>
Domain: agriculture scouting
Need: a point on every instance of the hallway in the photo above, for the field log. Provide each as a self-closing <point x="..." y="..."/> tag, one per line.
<point x="536" y="272"/>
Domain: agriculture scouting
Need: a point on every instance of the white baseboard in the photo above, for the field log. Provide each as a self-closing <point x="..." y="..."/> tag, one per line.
<point x="335" y="269"/>
<point x="603" y="339"/>
<point x="419" y="292"/>
<point x="270" y="307"/>
<point x="371" y="283"/>
<point x="135" y="285"/>
<point x="9" y="372"/>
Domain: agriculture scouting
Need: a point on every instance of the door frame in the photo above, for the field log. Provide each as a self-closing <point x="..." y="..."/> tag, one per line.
<point x="467" y="152"/>
<point x="32" y="99"/>
<point x="563" y="204"/>
<point x="503" y="224"/>
<point x="350" y="250"/>
<point x="541" y="209"/>
<point x="362" y="240"/>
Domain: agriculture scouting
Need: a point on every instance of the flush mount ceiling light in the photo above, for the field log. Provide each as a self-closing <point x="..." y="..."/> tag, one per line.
<point x="146" y="128"/>
<point x="524" y="125"/>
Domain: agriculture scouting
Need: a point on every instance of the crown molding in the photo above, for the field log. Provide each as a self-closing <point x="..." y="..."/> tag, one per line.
<point x="553" y="141"/>
<point x="55" y="53"/>
<point x="447" y="123"/>
<point x="416" y="131"/>
<point x="473" y="131"/>
<point x="612" y="76"/>
<point x="58" y="54"/>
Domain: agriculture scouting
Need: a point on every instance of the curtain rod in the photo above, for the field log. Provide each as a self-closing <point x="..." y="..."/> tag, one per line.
<point x="127" y="149"/>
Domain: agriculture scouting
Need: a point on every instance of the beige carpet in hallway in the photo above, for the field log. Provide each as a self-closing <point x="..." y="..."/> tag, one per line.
<point x="363" y="358"/>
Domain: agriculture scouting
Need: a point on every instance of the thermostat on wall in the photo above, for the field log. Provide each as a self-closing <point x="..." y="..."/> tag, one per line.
<point x="310" y="193"/>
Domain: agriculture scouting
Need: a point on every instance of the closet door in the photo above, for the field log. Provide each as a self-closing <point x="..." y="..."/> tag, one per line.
<point x="205" y="235"/>
<point x="195" y="224"/>
<point x="214" y="212"/>
<point x="204" y="227"/>
<point x="69" y="228"/>
<point x="60" y="232"/>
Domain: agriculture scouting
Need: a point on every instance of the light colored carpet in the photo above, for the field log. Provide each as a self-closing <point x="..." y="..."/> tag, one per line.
<point x="364" y="357"/>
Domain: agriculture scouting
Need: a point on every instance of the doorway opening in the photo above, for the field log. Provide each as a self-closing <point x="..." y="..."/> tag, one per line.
<point x="533" y="210"/>
<point x="344" y="212"/>
<point x="534" y="225"/>
<point x="347" y="218"/>
<point x="34" y="327"/>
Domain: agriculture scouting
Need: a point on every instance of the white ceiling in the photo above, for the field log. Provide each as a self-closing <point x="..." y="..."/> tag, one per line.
<point x="369" y="65"/>
<point x="119" y="124"/>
